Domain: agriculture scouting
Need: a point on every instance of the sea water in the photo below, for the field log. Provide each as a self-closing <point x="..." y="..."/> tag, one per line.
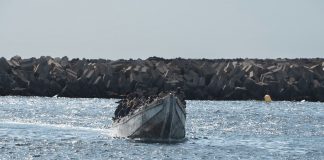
<point x="70" y="128"/>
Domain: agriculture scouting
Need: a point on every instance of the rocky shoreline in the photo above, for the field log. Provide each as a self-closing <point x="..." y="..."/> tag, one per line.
<point x="201" y="79"/>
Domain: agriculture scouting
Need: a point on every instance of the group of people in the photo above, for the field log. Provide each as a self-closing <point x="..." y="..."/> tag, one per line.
<point x="135" y="100"/>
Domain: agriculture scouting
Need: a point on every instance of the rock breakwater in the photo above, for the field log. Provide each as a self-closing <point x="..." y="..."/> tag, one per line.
<point x="219" y="79"/>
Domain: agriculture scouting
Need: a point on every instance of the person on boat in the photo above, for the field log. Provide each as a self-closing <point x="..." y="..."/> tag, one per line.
<point x="181" y="95"/>
<point x="127" y="110"/>
<point x="119" y="108"/>
<point x="161" y="94"/>
<point x="132" y="105"/>
<point x="149" y="99"/>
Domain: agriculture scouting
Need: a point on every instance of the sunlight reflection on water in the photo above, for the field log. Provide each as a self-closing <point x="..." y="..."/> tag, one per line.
<point x="67" y="128"/>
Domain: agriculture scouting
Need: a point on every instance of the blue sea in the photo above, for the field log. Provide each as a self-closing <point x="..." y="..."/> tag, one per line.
<point x="70" y="128"/>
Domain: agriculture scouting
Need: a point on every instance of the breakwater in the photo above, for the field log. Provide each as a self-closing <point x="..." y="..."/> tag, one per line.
<point x="219" y="79"/>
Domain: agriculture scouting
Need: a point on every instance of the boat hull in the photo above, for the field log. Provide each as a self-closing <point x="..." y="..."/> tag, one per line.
<point x="163" y="120"/>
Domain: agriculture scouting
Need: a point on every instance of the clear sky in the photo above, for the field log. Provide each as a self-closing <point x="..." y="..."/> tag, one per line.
<point x="114" y="29"/>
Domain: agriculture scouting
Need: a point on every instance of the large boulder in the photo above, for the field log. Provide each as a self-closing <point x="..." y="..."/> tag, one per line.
<point x="256" y="90"/>
<point x="28" y="64"/>
<point x="6" y="83"/>
<point x="4" y="66"/>
<point x="238" y="93"/>
<point x="215" y="85"/>
<point x="319" y="93"/>
<point x="15" y="61"/>
<point x="64" y="62"/>
<point x="191" y="78"/>
<point x="20" y="78"/>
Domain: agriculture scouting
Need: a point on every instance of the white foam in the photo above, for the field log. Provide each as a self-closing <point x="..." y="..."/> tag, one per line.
<point x="106" y="131"/>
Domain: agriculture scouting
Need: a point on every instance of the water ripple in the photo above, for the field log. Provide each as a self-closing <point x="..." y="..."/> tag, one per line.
<point x="69" y="128"/>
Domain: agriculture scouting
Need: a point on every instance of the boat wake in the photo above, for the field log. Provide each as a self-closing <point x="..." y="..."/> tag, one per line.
<point x="110" y="132"/>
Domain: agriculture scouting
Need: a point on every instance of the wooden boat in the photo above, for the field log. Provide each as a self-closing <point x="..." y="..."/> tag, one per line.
<point x="163" y="120"/>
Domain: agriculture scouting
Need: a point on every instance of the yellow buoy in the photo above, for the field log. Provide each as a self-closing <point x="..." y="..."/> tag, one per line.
<point x="267" y="98"/>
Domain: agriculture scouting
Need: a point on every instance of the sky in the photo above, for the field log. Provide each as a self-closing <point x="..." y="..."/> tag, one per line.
<point x="123" y="29"/>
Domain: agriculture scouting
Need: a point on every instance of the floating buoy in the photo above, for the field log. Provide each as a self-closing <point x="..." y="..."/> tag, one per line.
<point x="267" y="98"/>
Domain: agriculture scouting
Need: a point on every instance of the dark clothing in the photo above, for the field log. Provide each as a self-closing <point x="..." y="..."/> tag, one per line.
<point x="133" y="101"/>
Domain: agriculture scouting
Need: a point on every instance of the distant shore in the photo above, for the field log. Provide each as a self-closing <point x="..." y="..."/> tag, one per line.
<point x="200" y="79"/>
